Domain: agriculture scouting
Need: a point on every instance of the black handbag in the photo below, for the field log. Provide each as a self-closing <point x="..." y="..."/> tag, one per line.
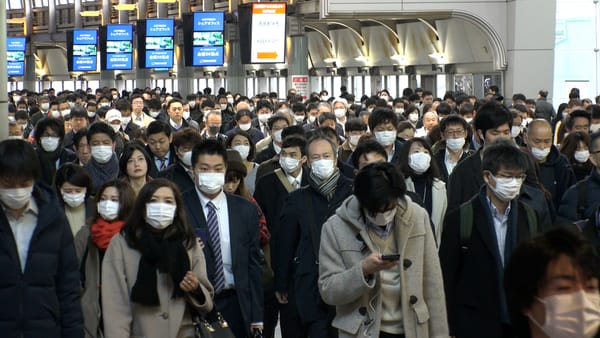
<point x="211" y="325"/>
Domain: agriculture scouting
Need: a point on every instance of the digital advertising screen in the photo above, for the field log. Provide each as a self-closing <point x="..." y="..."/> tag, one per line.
<point x="83" y="50"/>
<point x="268" y="32"/>
<point x="159" y="43"/>
<point x="15" y="54"/>
<point x="118" y="47"/>
<point x="204" y="39"/>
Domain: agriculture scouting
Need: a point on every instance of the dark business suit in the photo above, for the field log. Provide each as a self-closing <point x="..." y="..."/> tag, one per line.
<point x="473" y="271"/>
<point x="246" y="258"/>
<point x="154" y="170"/>
<point x="295" y="258"/>
<point x="465" y="181"/>
<point x="176" y="173"/>
<point x="440" y="157"/>
<point x="270" y="195"/>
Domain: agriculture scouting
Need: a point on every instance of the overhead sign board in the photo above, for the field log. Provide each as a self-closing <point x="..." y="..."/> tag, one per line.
<point x="84" y="49"/>
<point x="15" y="55"/>
<point x="119" y="47"/>
<point x="268" y="32"/>
<point x="207" y="41"/>
<point x="159" y="43"/>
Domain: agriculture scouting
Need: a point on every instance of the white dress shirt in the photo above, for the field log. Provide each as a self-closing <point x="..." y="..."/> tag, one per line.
<point x="450" y="165"/>
<point x="174" y="125"/>
<point x="22" y="229"/>
<point x="500" y="226"/>
<point x="296" y="182"/>
<point x="220" y="203"/>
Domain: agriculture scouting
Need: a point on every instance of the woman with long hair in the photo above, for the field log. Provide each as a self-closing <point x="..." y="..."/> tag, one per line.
<point x="243" y="144"/>
<point x="134" y="165"/>
<point x="154" y="273"/>
<point x="576" y="147"/>
<point x="115" y="201"/>
<point x="74" y="187"/>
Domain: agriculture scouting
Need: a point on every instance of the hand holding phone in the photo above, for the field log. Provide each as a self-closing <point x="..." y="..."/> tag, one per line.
<point x="390" y="257"/>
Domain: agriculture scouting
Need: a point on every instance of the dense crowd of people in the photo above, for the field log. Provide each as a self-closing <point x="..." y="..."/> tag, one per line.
<point x="148" y="214"/>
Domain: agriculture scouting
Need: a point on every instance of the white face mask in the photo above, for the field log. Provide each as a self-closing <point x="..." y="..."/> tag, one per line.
<point x="45" y="106"/>
<point x="211" y="183"/>
<point x="160" y="215"/>
<point x="413" y="117"/>
<point x="186" y="115"/>
<point x="299" y="118"/>
<point x="582" y="156"/>
<point x="223" y="106"/>
<point x="115" y="127"/>
<point x="244" y="150"/>
<point x="288" y="164"/>
<point x="506" y="189"/>
<point x="323" y="169"/>
<point x="386" y="138"/>
<point x="455" y="144"/>
<point x="154" y="114"/>
<point x="115" y="97"/>
<point x="102" y="154"/>
<point x="370" y="110"/>
<point x="277" y="136"/>
<point x="263" y="118"/>
<point x="594" y="127"/>
<point x="187" y="158"/>
<point x="573" y="315"/>
<point x="539" y="153"/>
<point x="192" y="104"/>
<point x="73" y="200"/>
<point x="245" y="126"/>
<point x="65" y="112"/>
<point x="71" y="104"/>
<point x="469" y="119"/>
<point x="339" y="113"/>
<point x="381" y="218"/>
<point x="419" y="162"/>
<point x="230" y="100"/>
<point x="16" y="198"/>
<point x="108" y="210"/>
<point x="353" y="139"/>
<point x="50" y="143"/>
<point x="515" y="131"/>
<point x="55" y="114"/>
<point x="91" y="114"/>
<point x="125" y="121"/>
<point x="312" y="119"/>
<point x="105" y="104"/>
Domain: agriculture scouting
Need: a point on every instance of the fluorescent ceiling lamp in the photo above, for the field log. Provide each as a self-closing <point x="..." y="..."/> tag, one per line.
<point x="440" y="57"/>
<point x="125" y="7"/>
<point x="91" y="13"/>
<point x="400" y="58"/>
<point x="362" y="58"/>
<point x="15" y="20"/>
<point x="330" y="60"/>
<point x="165" y="1"/>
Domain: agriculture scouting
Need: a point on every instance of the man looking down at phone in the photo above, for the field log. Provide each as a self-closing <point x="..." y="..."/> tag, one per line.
<point x="379" y="246"/>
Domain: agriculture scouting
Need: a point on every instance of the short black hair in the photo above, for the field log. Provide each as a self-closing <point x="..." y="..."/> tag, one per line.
<point x="443" y="109"/>
<point x="355" y="124"/>
<point x="154" y="104"/>
<point x="453" y="119"/>
<point x="491" y="116"/>
<point x="73" y="174"/>
<point x="173" y="100"/>
<point x="295" y="141"/>
<point x="18" y="160"/>
<point x="262" y="104"/>
<point x="157" y="127"/>
<point x="78" y="111"/>
<point x="229" y="143"/>
<point x="594" y="110"/>
<point x="503" y="154"/>
<point x="326" y="116"/>
<point x="78" y="136"/>
<point x="128" y="151"/>
<point x="298" y="107"/>
<point x="292" y="130"/>
<point x="209" y="147"/>
<point x="382" y="116"/>
<point x="575" y="114"/>
<point x="366" y="147"/>
<point x="123" y="105"/>
<point x="242" y="113"/>
<point x="55" y="125"/>
<point x="277" y="117"/>
<point x="377" y="186"/>
<point x="100" y="128"/>
<point x="526" y="270"/>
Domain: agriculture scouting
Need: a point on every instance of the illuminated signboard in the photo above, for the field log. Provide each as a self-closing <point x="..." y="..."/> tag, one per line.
<point x="83" y="45"/>
<point x="15" y="54"/>
<point x="119" y="47"/>
<point x="204" y="39"/>
<point x="159" y="43"/>
<point x="268" y="32"/>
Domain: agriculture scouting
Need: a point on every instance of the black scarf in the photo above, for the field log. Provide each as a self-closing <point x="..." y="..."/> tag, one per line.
<point x="101" y="173"/>
<point x="168" y="256"/>
<point x="48" y="163"/>
<point x="325" y="187"/>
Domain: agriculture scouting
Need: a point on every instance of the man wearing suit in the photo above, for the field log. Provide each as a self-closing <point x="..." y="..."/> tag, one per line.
<point x="138" y="116"/>
<point x="181" y="172"/>
<point x="160" y="148"/>
<point x="473" y="260"/>
<point x="228" y="227"/>
<point x="271" y="191"/>
<point x="302" y="216"/>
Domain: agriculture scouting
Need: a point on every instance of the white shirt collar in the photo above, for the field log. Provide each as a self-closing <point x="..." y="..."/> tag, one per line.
<point x="292" y="178"/>
<point x="174" y="125"/>
<point x="219" y="201"/>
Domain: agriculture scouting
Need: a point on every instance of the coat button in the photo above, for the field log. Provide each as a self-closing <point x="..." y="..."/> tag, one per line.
<point x="406" y="263"/>
<point x="362" y="310"/>
<point x="413" y="300"/>
<point x="165" y="315"/>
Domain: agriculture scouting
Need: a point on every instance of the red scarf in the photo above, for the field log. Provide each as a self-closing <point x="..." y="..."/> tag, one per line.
<point x="103" y="232"/>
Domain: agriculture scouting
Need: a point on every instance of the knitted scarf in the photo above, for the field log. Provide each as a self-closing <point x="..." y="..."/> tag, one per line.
<point x="325" y="187"/>
<point x="101" y="173"/>
<point x="103" y="231"/>
<point x="168" y="256"/>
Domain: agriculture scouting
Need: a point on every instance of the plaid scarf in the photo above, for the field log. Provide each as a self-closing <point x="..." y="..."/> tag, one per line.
<point x="325" y="187"/>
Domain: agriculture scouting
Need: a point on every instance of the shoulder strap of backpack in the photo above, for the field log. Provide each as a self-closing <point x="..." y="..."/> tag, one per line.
<point x="466" y="223"/>
<point x="284" y="181"/>
<point x="582" y="200"/>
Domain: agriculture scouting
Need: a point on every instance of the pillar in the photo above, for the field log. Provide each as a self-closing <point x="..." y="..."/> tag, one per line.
<point x="185" y="75"/>
<point x="3" y="75"/>
<point x="29" y="80"/>
<point x="297" y="58"/>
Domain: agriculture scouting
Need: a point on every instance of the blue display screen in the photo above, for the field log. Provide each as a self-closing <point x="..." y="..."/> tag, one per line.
<point x="85" y="50"/>
<point x="15" y="54"/>
<point x="208" y="42"/>
<point x="159" y="43"/>
<point x="119" y="47"/>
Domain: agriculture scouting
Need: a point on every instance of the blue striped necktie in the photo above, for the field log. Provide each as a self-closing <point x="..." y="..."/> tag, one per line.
<point x="213" y="230"/>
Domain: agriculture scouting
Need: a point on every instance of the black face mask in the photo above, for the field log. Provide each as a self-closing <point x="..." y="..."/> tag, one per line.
<point x="213" y="130"/>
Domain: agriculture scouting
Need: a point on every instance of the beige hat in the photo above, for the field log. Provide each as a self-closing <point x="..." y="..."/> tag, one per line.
<point x="113" y="115"/>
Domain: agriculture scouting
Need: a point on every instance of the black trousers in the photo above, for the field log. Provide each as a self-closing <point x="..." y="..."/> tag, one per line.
<point x="228" y="305"/>
<point x="289" y="320"/>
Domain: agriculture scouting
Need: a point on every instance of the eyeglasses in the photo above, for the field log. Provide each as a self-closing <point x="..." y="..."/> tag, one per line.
<point x="519" y="177"/>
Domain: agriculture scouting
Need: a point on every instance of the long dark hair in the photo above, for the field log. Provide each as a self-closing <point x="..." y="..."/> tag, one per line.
<point x="431" y="173"/>
<point x="130" y="148"/>
<point x="126" y="198"/>
<point x="569" y="146"/>
<point x="136" y="223"/>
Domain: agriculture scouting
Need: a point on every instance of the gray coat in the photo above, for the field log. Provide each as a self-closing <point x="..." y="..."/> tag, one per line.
<point x="345" y="243"/>
<point x="90" y="297"/>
